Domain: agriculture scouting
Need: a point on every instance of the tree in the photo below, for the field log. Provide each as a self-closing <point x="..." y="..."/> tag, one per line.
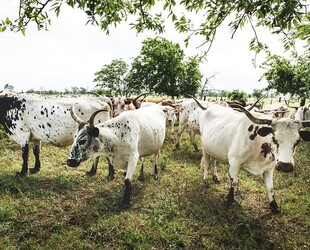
<point x="113" y="78"/>
<point x="204" y="88"/>
<point x="237" y="95"/>
<point x="288" y="76"/>
<point x="161" y="68"/>
<point x="288" y="18"/>
<point x="8" y="87"/>
<point x="258" y="93"/>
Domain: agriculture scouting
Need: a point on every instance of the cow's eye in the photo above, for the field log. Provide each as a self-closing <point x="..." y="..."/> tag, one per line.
<point x="82" y="142"/>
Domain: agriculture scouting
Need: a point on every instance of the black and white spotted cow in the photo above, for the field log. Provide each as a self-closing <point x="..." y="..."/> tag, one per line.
<point x="123" y="139"/>
<point x="33" y="118"/>
<point x="253" y="141"/>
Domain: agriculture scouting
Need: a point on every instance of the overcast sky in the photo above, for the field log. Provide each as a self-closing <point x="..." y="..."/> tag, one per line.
<point x="70" y="53"/>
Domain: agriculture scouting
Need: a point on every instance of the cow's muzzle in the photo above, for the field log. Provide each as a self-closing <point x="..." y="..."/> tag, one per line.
<point x="285" y="167"/>
<point x="73" y="163"/>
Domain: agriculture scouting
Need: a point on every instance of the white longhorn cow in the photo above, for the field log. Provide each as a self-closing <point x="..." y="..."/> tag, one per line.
<point x="256" y="143"/>
<point x="32" y="118"/>
<point x="122" y="139"/>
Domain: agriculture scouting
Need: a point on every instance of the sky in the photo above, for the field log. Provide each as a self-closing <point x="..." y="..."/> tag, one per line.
<point x="69" y="54"/>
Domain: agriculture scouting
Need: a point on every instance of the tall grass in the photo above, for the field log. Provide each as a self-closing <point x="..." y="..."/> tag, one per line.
<point x="62" y="208"/>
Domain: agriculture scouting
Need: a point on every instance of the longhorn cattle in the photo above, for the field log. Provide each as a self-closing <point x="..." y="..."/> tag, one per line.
<point x="257" y="143"/>
<point x="187" y="107"/>
<point x="189" y="115"/>
<point x="123" y="103"/>
<point x="275" y="110"/>
<point x="122" y="139"/>
<point x="302" y="114"/>
<point x="33" y="118"/>
<point x="170" y="116"/>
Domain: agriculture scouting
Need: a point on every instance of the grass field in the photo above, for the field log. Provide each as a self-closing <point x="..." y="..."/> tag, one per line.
<point x="62" y="208"/>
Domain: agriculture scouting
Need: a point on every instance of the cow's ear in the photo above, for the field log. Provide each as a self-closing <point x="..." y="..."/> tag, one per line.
<point x="264" y="131"/>
<point x="304" y="135"/>
<point x="95" y="132"/>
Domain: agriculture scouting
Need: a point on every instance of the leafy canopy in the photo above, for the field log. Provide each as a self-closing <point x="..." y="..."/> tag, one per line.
<point x="113" y="78"/>
<point x="288" y="76"/>
<point x="161" y="68"/>
<point x="288" y="18"/>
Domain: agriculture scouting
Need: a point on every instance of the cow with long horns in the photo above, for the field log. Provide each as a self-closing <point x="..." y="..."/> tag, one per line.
<point x="33" y="118"/>
<point x="122" y="139"/>
<point x="257" y="143"/>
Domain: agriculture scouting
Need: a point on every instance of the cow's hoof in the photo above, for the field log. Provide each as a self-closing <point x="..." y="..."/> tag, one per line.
<point x="215" y="179"/>
<point x="274" y="208"/>
<point x="34" y="170"/>
<point x="111" y="177"/>
<point x="90" y="173"/>
<point x="125" y="206"/>
<point x="21" y="174"/>
<point x="207" y="184"/>
<point x="141" y="177"/>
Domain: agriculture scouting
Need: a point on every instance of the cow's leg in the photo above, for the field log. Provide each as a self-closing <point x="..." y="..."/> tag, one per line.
<point x="141" y="174"/>
<point x="155" y="173"/>
<point x="132" y="163"/>
<point x="25" y="155"/>
<point x="111" y="174"/>
<point x="215" y="176"/>
<point x="233" y="173"/>
<point x="180" y="131"/>
<point x="193" y="139"/>
<point x="205" y="162"/>
<point x="93" y="169"/>
<point x="268" y="178"/>
<point x="36" y="153"/>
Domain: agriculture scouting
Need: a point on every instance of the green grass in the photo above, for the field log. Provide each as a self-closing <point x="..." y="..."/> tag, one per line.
<point x="62" y="208"/>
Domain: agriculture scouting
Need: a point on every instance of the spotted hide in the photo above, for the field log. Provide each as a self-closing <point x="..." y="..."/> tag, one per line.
<point x="123" y="139"/>
<point x="33" y="118"/>
<point x="253" y="141"/>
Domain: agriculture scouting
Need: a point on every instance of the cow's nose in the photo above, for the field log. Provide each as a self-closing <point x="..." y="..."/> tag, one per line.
<point x="285" y="167"/>
<point x="73" y="163"/>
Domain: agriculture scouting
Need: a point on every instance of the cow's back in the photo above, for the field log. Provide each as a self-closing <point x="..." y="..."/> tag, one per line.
<point x="48" y="119"/>
<point x="152" y="121"/>
<point x="229" y="135"/>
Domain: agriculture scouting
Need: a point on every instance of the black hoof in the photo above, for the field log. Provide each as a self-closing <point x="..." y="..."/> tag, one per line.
<point x="141" y="177"/>
<point x="124" y="206"/>
<point x="215" y="179"/>
<point x="34" y="170"/>
<point x="21" y="174"/>
<point x="111" y="177"/>
<point x="90" y="173"/>
<point x="274" y="208"/>
<point x="207" y="184"/>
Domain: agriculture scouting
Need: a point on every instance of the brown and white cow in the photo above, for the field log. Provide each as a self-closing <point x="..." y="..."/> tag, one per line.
<point x="123" y="103"/>
<point x="253" y="141"/>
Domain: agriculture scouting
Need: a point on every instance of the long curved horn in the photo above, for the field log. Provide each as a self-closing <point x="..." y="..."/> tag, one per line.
<point x="92" y="117"/>
<point x="256" y="103"/>
<point x="136" y="98"/>
<point x="74" y="116"/>
<point x="199" y="104"/>
<point x="251" y="117"/>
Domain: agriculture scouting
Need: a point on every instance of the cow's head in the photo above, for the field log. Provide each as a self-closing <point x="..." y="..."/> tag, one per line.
<point x="85" y="143"/>
<point x="170" y="114"/>
<point x="285" y="134"/>
<point x="123" y="103"/>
